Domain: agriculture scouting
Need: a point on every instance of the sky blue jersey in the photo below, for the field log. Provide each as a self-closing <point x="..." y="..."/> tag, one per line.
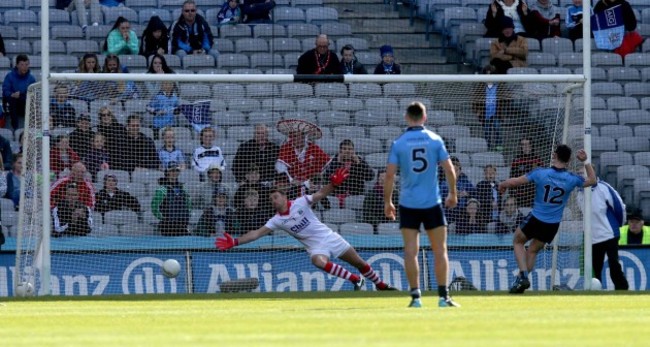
<point x="417" y="153"/>
<point x="553" y="187"/>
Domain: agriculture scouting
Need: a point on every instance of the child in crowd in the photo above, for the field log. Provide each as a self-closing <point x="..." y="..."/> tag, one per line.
<point x="169" y="153"/>
<point x="230" y="13"/>
<point x="164" y="106"/>
<point x="388" y="66"/>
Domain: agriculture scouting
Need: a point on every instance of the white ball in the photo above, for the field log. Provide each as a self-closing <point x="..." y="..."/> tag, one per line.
<point x="24" y="289"/>
<point x="595" y="284"/>
<point x="171" y="268"/>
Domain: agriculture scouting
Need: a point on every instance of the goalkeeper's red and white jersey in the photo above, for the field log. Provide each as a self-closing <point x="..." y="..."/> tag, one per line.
<point x="301" y="223"/>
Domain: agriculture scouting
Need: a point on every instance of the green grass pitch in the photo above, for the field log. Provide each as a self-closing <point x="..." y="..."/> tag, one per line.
<point x="328" y="319"/>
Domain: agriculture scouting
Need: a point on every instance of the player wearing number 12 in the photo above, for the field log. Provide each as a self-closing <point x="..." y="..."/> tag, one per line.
<point x="298" y="220"/>
<point x="553" y="186"/>
<point x="417" y="154"/>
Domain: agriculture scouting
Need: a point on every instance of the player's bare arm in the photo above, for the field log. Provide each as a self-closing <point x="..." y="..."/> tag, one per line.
<point x="450" y="175"/>
<point x="227" y="242"/>
<point x="389" y="185"/>
<point x="511" y="183"/>
<point x="337" y="178"/>
<point x="591" y="180"/>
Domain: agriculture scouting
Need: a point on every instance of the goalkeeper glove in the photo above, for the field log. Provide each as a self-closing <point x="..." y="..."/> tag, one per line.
<point x="339" y="176"/>
<point x="226" y="242"/>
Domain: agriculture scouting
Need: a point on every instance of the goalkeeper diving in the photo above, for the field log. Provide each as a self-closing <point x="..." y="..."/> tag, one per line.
<point x="298" y="220"/>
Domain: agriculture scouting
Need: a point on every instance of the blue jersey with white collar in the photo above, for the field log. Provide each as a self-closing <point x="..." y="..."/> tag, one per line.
<point x="417" y="153"/>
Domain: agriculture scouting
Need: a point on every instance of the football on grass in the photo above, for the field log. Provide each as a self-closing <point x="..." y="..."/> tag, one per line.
<point x="171" y="268"/>
<point x="24" y="289"/>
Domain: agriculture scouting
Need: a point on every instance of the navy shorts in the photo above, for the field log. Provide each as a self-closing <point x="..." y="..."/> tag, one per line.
<point x="412" y="218"/>
<point x="534" y="228"/>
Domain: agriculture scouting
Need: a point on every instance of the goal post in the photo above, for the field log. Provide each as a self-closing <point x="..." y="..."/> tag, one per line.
<point x="122" y="250"/>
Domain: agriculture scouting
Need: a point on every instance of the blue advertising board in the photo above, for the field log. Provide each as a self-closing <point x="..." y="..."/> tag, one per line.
<point x="291" y="270"/>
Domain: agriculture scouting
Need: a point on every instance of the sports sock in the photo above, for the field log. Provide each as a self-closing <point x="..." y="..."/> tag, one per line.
<point x="415" y="293"/>
<point x="370" y="274"/>
<point x="339" y="271"/>
<point x="523" y="274"/>
<point x="442" y="292"/>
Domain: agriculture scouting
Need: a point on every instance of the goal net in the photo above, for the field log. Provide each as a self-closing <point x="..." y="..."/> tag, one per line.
<point x="153" y="168"/>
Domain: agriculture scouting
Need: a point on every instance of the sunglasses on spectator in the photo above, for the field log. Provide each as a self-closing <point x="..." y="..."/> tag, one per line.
<point x="105" y="114"/>
<point x="188" y="11"/>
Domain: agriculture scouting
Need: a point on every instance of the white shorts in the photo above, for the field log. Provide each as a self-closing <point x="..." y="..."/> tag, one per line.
<point x="331" y="246"/>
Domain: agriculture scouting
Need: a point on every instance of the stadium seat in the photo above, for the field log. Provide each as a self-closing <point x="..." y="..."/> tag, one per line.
<point x="541" y="59"/>
<point x="288" y="15"/>
<point x="356" y="228"/>
<point x="112" y="13"/>
<point x="625" y="176"/>
<point x="453" y="18"/>
<point x="331" y="90"/>
<point x="261" y="90"/>
<point x="66" y="32"/>
<point x="522" y="71"/>
<point x="636" y="89"/>
<point x="306" y="116"/>
<point x="266" y="60"/>
<point x="619" y="103"/>
<point x="279" y="105"/>
<point x="340" y="216"/>
<point x="454" y="131"/>
<point x="359" y="44"/>
<point x="609" y="161"/>
<point x="387" y="105"/>
<point x="637" y="60"/>
<point x="621" y="74"/>
<point x="642" y="130"/>
<point x="321" y="15"/>
<point x="385" y="132"/>
<point x="471" y="144"/>
<point x="607" y="89"/>
<point x="57" y="16"/>
<point x="377" y="160"/>
<point x="606" y="59"/>
<point x="302" y="31"/>
<point x="463" y="158"/>
<point x="15" y="47"/>
<point x="312" y="104"/>
<point x="642" y="158"/>
<point x="370" y="118"/>
<point x="553" y="70"/>
<point x="198" y="61"/>
<point x="81" y="47"/>
<point x="104" y="230"/>
<point x="242" y="104"/>
<point x="285" y="44"/>
<point x="365" y="90"/>
<point x="557" y="45"/>
<point x="246" y="45"/>
<point x="336" y="30"/>
<point x="269" y="30"/>
<point x="388" y="229"/>
<point x="143" y="5"/>
<point x="347" y="104"/>
<point x="570" y="60"/>
<point x="17" y="17"/>
<point x="604" y="117"/>
<point x="634" y="117"/>
<point x="399" y="89"/>
<point x="137" y="229"/>
<point x="633" y="144"/>
<point x="487" y="158"/>
<point x="233" y="60"/>
<point x="333" y="118"/>
<point x="365" y="145"/>
<point x="296" y="90"/>
<point x="9" y="32"/>
<point x="440" y="118"/>
<point x="641" y="197"/>
<point x="348" y="132"/>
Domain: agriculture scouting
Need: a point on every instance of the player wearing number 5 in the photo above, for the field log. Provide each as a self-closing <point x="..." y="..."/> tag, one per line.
<point x="417" y="153"/>
<point x="298" y="220"/>
<point x="553" y="186"/>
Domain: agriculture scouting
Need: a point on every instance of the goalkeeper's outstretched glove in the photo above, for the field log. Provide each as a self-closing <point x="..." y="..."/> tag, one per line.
<point x="339" y="176"/>
<point x="226" y="242"/>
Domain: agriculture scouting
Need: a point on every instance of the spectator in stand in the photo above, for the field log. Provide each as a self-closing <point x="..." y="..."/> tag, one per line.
<point x="634" y="232"/>
<point x="510" y="50"/>
<point x="216" y="218"/>
<point x="157" y="64"/>
<point x="282" y="182"/>
<point x="113" y="132"/>
<point x="97" y="158"/>
<point x="2" y="47"/>
<point x="387" y="66"/>
<point x="509" y="217"/>
<point x="203" y="197"/>
<point x="574" y="20"/>
<point x="546" y="18"/>
<point x="230" y="13"/>
<point x="62" y="114"/>
<point x="253" y="182"/>
<point x="490" y="102"/>
<point x="320" y="60"/>
<point x="470" y="221"/>
<point x="525" y="162"/>
<point x="81" y="5"/>
<point x="259" y="151"/>
<point x="191" y="34"/>
<point x="164" y="106"/>
<point x="632" y="39"/>
<point x="171" y="203"/>
<point x="137" y="150"/>
<point x="81" y="139"/>
<point x="249" y="216"/>
<point x="155" y="38"/>
<point x="88" y="90"/>
<point x="13" y="180"/>
<point x="6" y="152"/>
<point x="169" y="152"/>
<point x="350" y="65"/>
<point x="3" y="180"/>
<point x="70" y="217"/>
<point x="373" y="204"/>
<point x="487" y="194"/>
<point x="14" y="91"/>
<point x="111" y="198"/>
<point x="85" y="186"/>
<point x="300" y="159"/>
<point x="360" y="171"/>
<point x="207" y="154"/>
<point x="117" y="91"/>
<point x="517" y="10"/>
<point x="62" y="156"/>
<point x="257" y="11"/>
<point x="121" y="39"/>
<point x="465" y="190"/>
